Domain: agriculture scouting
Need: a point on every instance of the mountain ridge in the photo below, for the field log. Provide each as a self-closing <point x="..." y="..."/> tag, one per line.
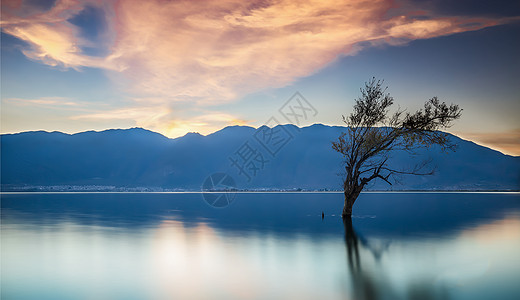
<point x="138" y="157"/>
<point x="197" y="133"/>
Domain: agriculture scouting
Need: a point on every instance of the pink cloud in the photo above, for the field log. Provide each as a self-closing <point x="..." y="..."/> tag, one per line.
<point x="44" y="101"/>
<point x="217" y="51"/>
<point x="214" y="51"/>
<point x="209" y="52"/>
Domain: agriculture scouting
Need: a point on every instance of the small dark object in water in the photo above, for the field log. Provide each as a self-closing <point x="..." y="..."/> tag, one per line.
<point x="322" y="215"/>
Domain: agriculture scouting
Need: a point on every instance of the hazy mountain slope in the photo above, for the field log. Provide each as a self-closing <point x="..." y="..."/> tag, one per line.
<point x="138" y="157"/>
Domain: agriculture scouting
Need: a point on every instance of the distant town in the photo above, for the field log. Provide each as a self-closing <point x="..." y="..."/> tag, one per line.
<point x="116" y="189"/>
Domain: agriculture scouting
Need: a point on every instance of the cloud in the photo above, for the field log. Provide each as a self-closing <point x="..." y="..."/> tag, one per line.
<point x="165" y="120"/>
<point x="44" y="101"/>
<point x="51" y="38"/>
<point x="211" y="52"/>
<point x="506" y="141"/>
<point x="496" y="8"/>
<point x="217" y="51"/>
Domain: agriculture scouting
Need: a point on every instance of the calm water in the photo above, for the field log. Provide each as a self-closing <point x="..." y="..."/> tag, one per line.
<point x="262" y="246"/>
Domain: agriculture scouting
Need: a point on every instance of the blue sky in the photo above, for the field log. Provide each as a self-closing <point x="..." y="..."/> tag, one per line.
<point x="179" y="66"/>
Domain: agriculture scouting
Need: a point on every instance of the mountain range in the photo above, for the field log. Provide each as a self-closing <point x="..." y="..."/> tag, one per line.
<point x="284" y="157"/>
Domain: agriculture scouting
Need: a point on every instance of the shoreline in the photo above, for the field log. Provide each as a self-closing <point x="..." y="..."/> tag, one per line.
<point x="267" y="192"/>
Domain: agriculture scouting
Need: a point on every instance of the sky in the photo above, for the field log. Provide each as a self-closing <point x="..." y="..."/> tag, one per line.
<point x="197" y="66"/>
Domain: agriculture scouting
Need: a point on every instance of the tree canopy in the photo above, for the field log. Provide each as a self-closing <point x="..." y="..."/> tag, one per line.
<point x="373" y="132"/>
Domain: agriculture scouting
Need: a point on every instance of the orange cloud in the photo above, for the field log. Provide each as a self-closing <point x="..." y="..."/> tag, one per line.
<point x="217" y="51"/>
<point x="205" y="124"/>
<point x="52" y="39"/>
<point x="165" y="120"/>
<point x="214" y="51"/>
<point x="209" y="52"/>
<point x="507" y="142"/>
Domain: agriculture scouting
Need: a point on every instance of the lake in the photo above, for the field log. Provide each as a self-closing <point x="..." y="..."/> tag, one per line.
<point x="261" y="246"/>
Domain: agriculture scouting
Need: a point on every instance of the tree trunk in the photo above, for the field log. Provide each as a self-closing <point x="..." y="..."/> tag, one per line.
<point x="350" y="198"/>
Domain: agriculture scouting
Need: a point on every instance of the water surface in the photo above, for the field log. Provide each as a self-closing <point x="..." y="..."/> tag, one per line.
<point x="262" y="246"/>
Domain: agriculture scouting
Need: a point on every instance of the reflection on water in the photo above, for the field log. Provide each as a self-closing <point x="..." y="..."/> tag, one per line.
<point x="477" y="263"/>
<point x="363" y="286"/>
<point x="264" y="246"/>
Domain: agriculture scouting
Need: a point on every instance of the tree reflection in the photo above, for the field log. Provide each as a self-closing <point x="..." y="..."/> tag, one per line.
<point x="363" y="285"/>
<point x="375" y="283"/>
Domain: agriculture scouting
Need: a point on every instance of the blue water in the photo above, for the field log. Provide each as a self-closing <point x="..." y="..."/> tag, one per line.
<point x="261" y="246"/>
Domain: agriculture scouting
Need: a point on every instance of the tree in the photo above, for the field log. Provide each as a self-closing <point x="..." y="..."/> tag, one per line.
<point x="373" y="133"/>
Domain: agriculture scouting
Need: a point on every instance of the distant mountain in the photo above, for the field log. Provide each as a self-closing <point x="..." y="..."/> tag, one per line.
<point x="286" y="157"/>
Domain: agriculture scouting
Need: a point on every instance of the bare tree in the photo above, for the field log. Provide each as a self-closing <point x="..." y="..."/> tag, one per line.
<point x="373" y="133"/>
